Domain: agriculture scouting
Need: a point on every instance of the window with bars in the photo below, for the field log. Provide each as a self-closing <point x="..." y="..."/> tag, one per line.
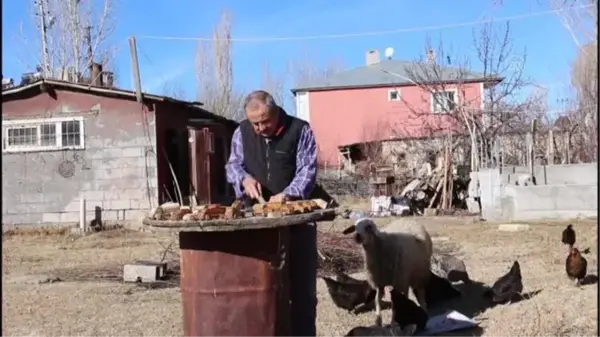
<point x="443" y="101"/>
<point x="42" y="134"/>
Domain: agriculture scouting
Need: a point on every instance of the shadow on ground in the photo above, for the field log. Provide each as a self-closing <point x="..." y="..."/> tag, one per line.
<point x="589" y="279"/>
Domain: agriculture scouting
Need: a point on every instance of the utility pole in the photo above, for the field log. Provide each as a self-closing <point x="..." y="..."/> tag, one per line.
<point x="136" y="69"/>
<point x="41" y="6"/>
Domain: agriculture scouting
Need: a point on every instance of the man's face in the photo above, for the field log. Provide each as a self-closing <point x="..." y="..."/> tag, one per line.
<point x="263" y="121"/>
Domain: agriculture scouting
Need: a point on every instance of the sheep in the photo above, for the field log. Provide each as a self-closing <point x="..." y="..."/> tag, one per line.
<point x="398" y="255"/>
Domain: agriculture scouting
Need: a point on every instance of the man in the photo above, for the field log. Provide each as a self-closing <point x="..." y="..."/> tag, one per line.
<point x="274" y="157"/>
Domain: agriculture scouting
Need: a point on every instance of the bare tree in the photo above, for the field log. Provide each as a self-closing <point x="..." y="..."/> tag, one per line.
<point x="72" y="35"/>
<point x="274" y="84"/>
<point x="500" y="69"/>
<point x="582" y="23"/>
<point x="214" y="72"/>
<point x="174" y="89"/>
<point x="306" y="71"/>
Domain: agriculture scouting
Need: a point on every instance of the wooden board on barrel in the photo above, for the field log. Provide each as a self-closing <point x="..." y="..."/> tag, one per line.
<point x="234" y="217"/>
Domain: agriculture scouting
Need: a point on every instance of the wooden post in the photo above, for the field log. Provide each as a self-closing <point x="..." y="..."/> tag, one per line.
<point x="445" y="179"/>
<point x="532" y="150"/>
<point x="82" y="211"/>
<point x="550" y="153"/>
<point x="136" y="69"/>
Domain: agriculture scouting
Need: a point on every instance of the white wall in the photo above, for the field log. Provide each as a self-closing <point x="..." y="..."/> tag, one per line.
<point x="302" y="106"/>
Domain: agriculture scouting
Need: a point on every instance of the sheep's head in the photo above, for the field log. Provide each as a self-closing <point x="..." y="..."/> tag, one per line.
<point x="364" y="230"/>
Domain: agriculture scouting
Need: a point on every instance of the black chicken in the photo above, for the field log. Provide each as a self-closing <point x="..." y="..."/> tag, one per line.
<point x="348" y="293"/>
<point x="576" y="266"/>
<point x="508" y="286"/>
<point x="568" y="236"/>
<point x="439" y="289"/>
<point x="406" y="312"/>
<point x="387" y="330"/>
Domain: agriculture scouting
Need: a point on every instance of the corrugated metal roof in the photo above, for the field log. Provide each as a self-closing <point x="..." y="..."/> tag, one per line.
<point x="104" y="91"/>
<point x="91" y="88"/>
<point x="391" y="72"/>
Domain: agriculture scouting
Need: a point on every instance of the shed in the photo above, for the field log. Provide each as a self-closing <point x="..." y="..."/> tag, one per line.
<point x="64" y="141"/>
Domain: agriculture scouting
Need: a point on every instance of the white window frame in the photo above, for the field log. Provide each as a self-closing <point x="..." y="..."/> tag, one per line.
<point x="37" y="123"/>
<point x="303" y="105"/>
<point x="390" y="91"/>
<point x="433" y="105"/>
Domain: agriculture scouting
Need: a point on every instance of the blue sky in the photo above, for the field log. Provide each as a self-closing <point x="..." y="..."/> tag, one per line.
<point x="550" y="48"/>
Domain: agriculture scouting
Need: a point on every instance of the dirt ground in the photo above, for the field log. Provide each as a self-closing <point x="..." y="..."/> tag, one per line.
<point x="89" y="300"/>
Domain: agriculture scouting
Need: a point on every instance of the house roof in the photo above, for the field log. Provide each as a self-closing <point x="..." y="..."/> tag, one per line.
<point x="13" y="93"/>
<point x="389" y="73"/>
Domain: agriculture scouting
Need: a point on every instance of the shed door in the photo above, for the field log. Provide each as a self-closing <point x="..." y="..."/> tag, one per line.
<point x="201" y="147"/>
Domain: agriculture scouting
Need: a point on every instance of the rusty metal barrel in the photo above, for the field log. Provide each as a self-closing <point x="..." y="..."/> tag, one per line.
<point x="233" y="283"/>
<point x="248" y="277"/>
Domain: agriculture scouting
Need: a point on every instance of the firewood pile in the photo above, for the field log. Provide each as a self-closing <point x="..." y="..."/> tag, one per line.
<point x="338" y="252"/>
<point x="437" y="187"/>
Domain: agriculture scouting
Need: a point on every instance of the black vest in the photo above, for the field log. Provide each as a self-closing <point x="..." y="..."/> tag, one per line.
<point x="272" y="162"/>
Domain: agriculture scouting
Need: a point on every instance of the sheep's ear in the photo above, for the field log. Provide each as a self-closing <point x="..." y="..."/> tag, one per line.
<point x="349" y="230"/>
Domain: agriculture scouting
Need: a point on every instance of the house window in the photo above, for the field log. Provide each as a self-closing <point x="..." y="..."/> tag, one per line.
<point x="393" y="95"/>
<point x="443" y="101"/>
<point x="42" y="134"/>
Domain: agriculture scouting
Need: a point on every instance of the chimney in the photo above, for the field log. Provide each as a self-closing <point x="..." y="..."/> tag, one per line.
<point x="372" y="57"/>
<point x="108" y="78"/>
<point x="430" y="56"/>
<point x="96" y="75"/>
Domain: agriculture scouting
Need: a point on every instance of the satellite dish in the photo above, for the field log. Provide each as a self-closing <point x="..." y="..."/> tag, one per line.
<point x="389" y="51"/>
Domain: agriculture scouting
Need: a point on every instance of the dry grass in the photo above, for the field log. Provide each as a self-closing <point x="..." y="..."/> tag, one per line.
<point x="110" y="308"/>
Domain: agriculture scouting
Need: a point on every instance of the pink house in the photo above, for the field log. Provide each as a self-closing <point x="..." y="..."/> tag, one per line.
<point x="380" y="101"/>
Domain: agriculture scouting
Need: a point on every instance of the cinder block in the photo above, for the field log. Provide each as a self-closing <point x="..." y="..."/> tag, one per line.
<point x="513" y="227"/>
<point x="69" y="217"/>
<point x="141" y="204"/>
<point x="120" y="204"/>
<point x="144" y="271"/>
<point x="51" y="217"/>
<point x="162" y="266"/>
<point x="130" y="152"/>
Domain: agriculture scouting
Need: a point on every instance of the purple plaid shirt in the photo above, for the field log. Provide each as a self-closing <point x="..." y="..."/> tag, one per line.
<point x="306" y="165"/>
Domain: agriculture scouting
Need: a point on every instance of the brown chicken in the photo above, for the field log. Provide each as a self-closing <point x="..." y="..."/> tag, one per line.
<point x="576" y="266"/>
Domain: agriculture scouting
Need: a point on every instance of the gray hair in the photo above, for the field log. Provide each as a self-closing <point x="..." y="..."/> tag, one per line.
<point x="263" y="97"/>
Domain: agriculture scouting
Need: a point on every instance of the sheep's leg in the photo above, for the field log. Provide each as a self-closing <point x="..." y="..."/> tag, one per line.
<point x="378" y="297"/>
<point x="420" y="295"/>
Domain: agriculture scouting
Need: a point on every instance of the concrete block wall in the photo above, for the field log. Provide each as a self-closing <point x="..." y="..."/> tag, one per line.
<point x="551" y="202"/>
<point x="502" y="201"/>
<point x="116" y="172"/>
<point x="572" y="174"/>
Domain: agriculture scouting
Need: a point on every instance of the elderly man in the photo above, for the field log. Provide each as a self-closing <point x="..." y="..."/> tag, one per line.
<point x="274" y="157"/>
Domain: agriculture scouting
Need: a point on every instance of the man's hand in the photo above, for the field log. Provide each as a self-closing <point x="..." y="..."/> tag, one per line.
<point x="281" y="197"/>
<point x="251" y="187"/>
